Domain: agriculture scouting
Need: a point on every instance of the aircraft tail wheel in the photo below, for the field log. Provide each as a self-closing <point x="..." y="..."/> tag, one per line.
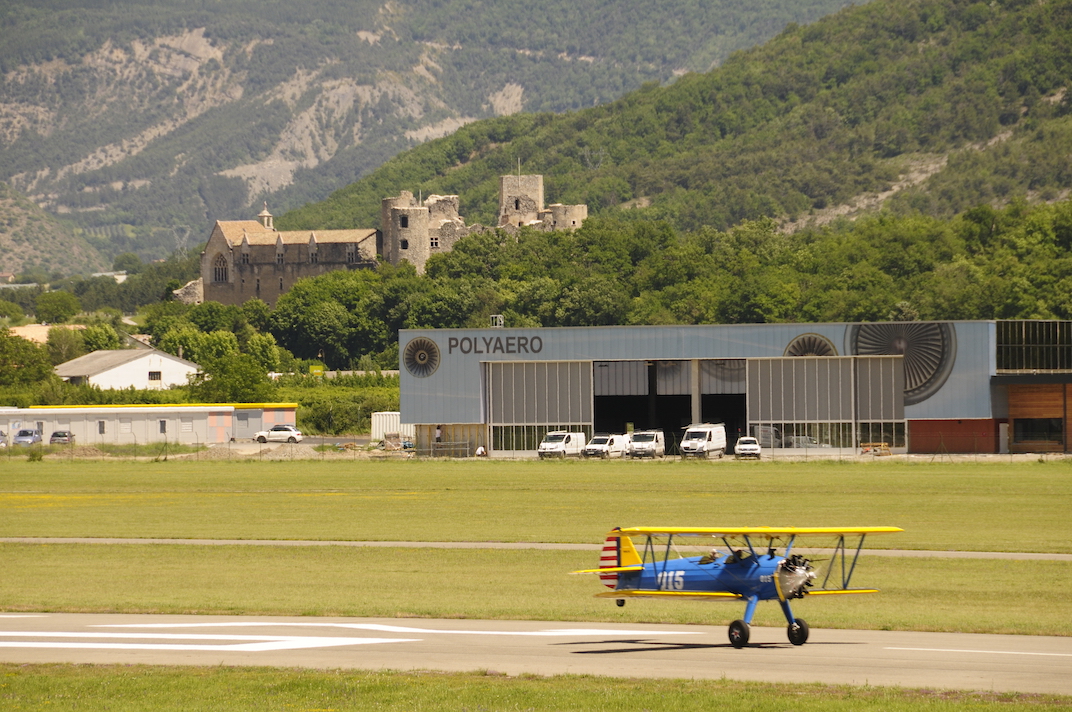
<point x="620" y="602"/>
<point x="798" y="632"/>
<point x="739" y="631"/>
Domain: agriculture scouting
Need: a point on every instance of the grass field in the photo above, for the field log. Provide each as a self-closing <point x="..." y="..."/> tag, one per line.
<point x="123" y="688"/>
<point x="969" y="506"/>
<point x="978" y="596"/>
<point x="966" y="506"/>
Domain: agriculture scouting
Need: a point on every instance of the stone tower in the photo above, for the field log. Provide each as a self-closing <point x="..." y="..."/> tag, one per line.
<point x="414" y="230"/>
<point x="520" y="200"/>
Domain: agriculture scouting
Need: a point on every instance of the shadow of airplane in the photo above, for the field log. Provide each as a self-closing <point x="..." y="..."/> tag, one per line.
<point x="652" y="646"/>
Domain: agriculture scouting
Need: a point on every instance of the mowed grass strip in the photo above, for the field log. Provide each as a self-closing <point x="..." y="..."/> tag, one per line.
<point x="131" y="687"/>
<point x="962" y="595"/>
<point x="993" y="505"/>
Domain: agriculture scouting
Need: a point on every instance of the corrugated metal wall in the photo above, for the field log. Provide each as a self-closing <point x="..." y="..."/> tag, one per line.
<point x="795" y="389"/>
<point x="621" y="378"/>
<point x="723" y="376"/>
<point x="557" y="392"/>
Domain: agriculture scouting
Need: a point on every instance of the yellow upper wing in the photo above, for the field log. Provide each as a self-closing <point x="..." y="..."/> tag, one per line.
<point x="755" y="532"/>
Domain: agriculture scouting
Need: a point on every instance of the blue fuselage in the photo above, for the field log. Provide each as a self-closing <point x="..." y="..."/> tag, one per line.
<point x="752" y="576"/>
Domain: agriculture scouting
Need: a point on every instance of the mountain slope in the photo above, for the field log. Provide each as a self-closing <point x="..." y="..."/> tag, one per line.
<point x="31" y="239"/>
<point x="925" y="105"/>
<point x="172" y="113"/>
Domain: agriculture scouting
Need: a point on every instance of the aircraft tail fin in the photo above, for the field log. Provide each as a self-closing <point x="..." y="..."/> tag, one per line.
<point x="617" y="552"/>
<point x="628" y="555"/>
<point x="608" y="559"/>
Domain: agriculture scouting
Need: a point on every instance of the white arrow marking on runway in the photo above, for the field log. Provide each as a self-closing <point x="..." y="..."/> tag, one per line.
<point x="238" y="643"/>
<point x="989" y="652"/>
<point x="416" y="631"/>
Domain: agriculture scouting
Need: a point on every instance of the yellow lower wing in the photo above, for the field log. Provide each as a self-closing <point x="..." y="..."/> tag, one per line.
<point x="609" y="570"/>
<point x="841" y="590"/>
<point x="698" y="595"/>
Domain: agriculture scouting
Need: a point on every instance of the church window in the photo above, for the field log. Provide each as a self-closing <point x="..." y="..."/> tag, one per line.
<point x="314" y="256"/>
<point x="219" y="269"/>
<point x="351" y="255"/>
<point x="245" y="258"/>
<point x="279" y="257"/>
<point x="433" y="241"/>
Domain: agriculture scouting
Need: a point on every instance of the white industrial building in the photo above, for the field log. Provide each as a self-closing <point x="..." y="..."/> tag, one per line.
<point x="192" y="424"/>
<point x="143" y="369"/>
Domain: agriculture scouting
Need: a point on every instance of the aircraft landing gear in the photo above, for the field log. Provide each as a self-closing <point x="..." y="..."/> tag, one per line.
<point x="798" y="632"/>
<point x="739" y="631"/>
<point x="620" y="602"/>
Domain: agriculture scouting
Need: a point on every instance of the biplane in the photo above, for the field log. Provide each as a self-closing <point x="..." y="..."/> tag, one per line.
<point x="744" y="564"/>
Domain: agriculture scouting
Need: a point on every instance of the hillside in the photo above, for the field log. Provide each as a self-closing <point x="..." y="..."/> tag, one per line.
<point x="163" y="115"/>
<point x="924" y="106"/>
<point x="31" y="239"/>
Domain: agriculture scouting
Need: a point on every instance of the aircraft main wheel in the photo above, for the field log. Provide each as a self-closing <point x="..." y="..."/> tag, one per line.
<point x="620" y="602"/>
<point x="798" y="633"/>
<point x="262" y="439"/>
<point x="739" y="631"/>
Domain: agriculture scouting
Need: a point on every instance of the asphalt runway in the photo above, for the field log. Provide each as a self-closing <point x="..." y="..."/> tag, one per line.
<point x="1000" y="663"/>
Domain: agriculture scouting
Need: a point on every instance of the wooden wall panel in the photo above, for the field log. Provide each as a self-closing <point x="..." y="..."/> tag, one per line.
<point x="1037" y="401"/>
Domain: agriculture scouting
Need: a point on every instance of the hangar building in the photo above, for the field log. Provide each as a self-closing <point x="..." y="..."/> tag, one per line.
<point x="958" y="386"/>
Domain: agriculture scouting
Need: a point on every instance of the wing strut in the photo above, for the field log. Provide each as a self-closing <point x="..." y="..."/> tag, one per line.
<point x="841" y="552"/>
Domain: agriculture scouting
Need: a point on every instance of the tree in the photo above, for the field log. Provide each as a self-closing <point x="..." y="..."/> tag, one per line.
<point x="56" y="307"/>
<point x="127" y="262"/>
<point x="21" y="362"/>
<point x="100" y="337"/>
<point x="234" y="378"/>
<point x="64" y="344"/>
<point x="11" y="310"/>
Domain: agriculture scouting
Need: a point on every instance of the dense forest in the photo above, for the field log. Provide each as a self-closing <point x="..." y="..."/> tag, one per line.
<point x="933" y="106"/>
<point x="138" y="118"/>
<point x="1011" y="263"/>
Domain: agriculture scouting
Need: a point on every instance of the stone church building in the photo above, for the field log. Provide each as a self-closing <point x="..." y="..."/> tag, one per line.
<point x="248" y="259"/>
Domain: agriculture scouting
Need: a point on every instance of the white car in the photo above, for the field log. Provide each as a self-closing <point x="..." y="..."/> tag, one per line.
<point x="605" y="446"/>
<point x="747" y="447"/>
<point x="279" y="434"/>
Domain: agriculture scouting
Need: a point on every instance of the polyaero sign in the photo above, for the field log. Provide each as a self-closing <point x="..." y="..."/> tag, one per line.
<point x="495" y="345"/>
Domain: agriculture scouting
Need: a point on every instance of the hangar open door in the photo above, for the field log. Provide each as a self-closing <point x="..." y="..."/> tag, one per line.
<point x="668" y="395"/>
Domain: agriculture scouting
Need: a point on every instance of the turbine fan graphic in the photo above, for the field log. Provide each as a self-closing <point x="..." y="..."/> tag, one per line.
<point x="929" y="350"/>
<point x="810" y="345"/>
<point x="421" y="357"/>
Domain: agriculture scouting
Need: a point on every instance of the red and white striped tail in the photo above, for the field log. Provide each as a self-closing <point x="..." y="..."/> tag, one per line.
<point x="609" y="559"/>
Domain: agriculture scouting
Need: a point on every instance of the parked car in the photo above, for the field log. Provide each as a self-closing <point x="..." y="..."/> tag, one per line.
<point x="647" y="443"/>
<point x="607" y="446"/>
<point x="747" y="447"/>
<point x="3" y="439"/>
<point x="767" y="435"/>
<point x="61" y="437"/>
<point x="803" y="441"/>
<point x="279" y="434"/>
<point x="27" y="436"/>
<point x="704" y="440"/>
<point x="560" y="443"/>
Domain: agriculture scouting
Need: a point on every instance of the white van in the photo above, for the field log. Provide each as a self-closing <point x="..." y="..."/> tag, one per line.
<point x="561" y="443"/>
<point x="767" y="435"/>
<point x="706" y="440"/>
<point x="647" y="443"/>
<point x="607" y="446"/>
